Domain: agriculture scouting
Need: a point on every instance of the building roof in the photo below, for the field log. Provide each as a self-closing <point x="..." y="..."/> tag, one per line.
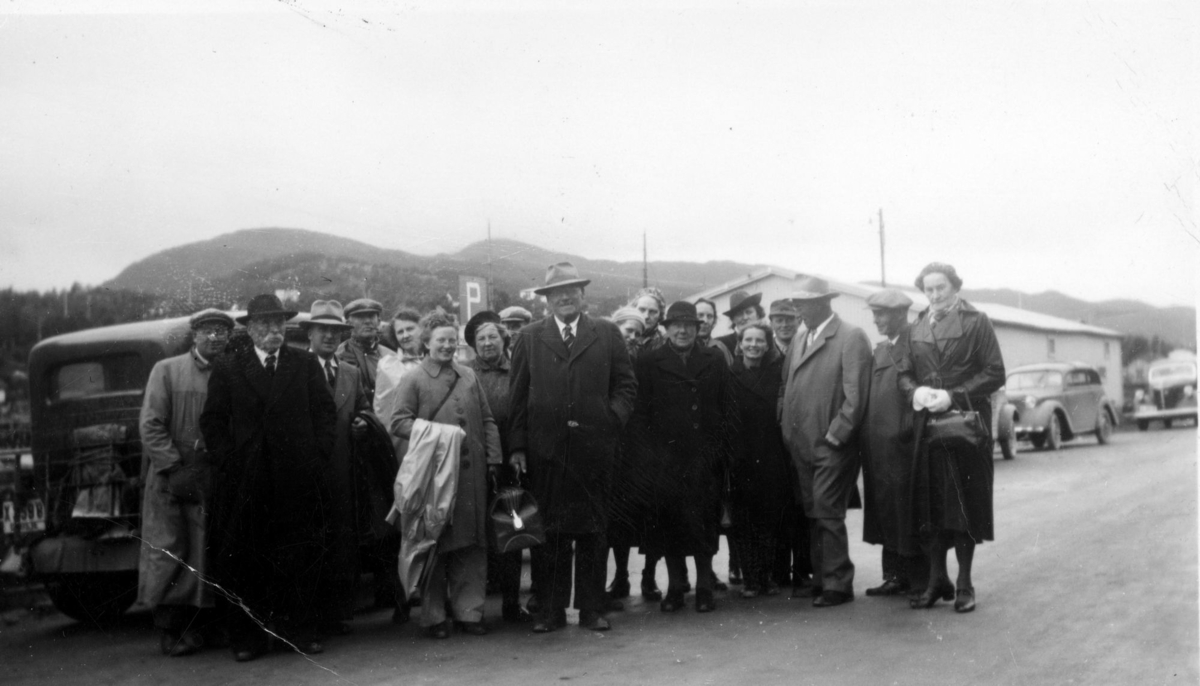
<point x="1010" y="316"/>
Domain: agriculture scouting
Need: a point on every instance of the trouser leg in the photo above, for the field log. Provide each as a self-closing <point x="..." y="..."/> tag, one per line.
<point x="510" y="577"/>
<point x="705" y="577"/>
<point x="591" y="563"/>
<point x="676" y="574"/>
<point x="553" y="561"/>
<point x="433" y="593"/>
<point x="466" y="579"/>
<point x="892" y="567"/>
<point x="831" y="555"/>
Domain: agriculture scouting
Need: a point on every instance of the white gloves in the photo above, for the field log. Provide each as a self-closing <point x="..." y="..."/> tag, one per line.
<point x="936" y="400"/>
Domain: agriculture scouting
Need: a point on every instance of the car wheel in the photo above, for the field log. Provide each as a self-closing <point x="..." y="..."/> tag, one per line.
<point x="1143" y="425"/>
<point x="1103" y="428"/>
<point x="1054" y="433"/>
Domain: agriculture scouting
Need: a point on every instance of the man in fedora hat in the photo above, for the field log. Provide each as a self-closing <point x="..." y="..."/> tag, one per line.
<point x="744" y="308"/>
<point x="827" y="373"/>
<point x="174" y="525"/>
<point x="572" y="389"/>
<point x="887" y="442"/>
<point x="363" y="348"/>
<point x="348" y="479"/>
<point x="684" y="414"/>
<point x="269" y="423"/>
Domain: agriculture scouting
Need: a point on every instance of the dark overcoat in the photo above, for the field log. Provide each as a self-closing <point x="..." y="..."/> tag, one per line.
<point x="961" y="355"/>
<point x="887" y="441"/>
<point x="761" y="471"/>
<point x="567" y="409"/>
<point x="685" y="414"/>
<point x="271" y="437"/>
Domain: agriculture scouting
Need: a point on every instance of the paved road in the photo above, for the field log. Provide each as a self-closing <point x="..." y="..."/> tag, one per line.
<point x="1093" y="580"/>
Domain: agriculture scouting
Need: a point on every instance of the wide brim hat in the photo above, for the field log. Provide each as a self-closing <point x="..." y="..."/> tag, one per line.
<point x="812" y="288"/>
<point x="888" y="299"/>
<point x="326" y="313"/>
<point x="210" y="315"/>
<point x="741" y="300"/>
<point x="560" y="275"/>
<point x="265" y="305"/>
<point x="362" y="305"/>
<point x="681" y="311"/>
<point x="477" y="321"/>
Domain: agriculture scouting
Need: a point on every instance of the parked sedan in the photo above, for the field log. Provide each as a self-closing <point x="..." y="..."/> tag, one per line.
<point x="1060" y="401"/>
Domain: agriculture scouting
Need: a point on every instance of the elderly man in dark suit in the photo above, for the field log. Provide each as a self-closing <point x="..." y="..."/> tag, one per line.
<point x="887" y="442"/>
<point x="269" y="423"/>
<point x="572" y="390"/>
<point x="827" y="373"/>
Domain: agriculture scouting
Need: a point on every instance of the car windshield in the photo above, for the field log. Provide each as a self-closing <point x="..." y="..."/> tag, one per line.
<point x="1023" y="381"/>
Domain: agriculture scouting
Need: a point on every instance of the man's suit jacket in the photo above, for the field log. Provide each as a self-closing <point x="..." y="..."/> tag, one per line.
<point x="566" y="411"/>
<point x="824" y="390"/>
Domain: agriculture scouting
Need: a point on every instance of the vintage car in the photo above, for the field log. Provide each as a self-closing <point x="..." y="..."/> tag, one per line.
<point x="1059" y="401"/>
<point x="1170" y="393"/>
<point x="86" y="393"/>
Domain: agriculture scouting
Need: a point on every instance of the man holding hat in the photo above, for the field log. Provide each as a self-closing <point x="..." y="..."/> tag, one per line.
<point x="827" y="374"/>
<point x="743" y="309"/>
<point x="572" y="390"/>
<point x="362" y="348"/>
<point x="269" y="424"/>
<point x="174" y="526"/>
<point x="887" y="442"/>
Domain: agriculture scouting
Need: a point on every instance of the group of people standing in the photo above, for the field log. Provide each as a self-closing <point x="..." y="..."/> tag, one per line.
<point x="270" y="469"/>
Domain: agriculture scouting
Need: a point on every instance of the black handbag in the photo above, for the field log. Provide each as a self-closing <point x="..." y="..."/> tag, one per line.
<point x="955" y="430"/>
<point x="516" y="522"/>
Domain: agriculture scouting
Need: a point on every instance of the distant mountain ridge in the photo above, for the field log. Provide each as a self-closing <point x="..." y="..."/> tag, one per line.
<point x="234" y="266"/>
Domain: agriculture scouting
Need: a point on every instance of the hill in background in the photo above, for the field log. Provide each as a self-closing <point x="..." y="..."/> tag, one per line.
<point x="231" y="268"/>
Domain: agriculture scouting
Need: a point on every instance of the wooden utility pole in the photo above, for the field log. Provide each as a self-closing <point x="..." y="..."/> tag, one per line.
<point x="645" y="272"/>
<point x="491" y="270"/>
<point x="882" y="269"/>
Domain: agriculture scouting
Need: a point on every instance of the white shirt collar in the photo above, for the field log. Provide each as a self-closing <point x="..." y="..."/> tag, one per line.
<point x="893" y="339"/>
<point x="562" y="325"/>
<point x="262" y="355"/>
<point x="332" y="359"/>
<point x="812" y="335"/>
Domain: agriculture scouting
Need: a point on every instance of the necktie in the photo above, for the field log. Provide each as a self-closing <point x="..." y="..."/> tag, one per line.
<point x="568" y="336"/>
<point x="271" y="364"/>
<point x="330" y="375"/>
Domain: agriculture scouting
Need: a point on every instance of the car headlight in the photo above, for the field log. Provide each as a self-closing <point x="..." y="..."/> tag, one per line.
<point x="1030" y="402"/>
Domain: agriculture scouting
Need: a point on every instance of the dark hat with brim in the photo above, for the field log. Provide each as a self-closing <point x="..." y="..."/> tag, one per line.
<point x="476" y="322"/>
<point x="812" y="288"/>
<point x="326" y="313"/>
<point x="889" y="299"/>
<point x="682" y="312"/>
<point x="263" y="306"/>
<point x="560" y="275"/>
<point x="210" y="315"/>
<point x="741" y="300"/>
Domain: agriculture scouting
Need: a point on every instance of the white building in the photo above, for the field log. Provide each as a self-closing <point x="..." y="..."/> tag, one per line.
<point x="1025" y="337"/>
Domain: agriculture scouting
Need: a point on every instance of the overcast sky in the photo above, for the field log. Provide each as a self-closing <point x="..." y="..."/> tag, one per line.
<point x="1033" y="145"/>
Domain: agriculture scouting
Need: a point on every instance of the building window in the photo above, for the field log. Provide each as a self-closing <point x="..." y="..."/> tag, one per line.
<point x="1050" y="346"/>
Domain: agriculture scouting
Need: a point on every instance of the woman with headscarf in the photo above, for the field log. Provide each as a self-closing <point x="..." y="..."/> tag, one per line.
<point x="760" y="472"/>
<point x="953" y="362"/>
<point x="650" y="302"/>
<point x="442" y="390"/>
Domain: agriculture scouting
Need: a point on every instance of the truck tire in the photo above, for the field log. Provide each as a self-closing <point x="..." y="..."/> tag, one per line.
<point x="1103" y="428"/>
<point x="98" y="599"/>
<point x="1054" y="439"/>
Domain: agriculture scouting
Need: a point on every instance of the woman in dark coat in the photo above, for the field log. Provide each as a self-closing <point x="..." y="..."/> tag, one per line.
<point x="684" y="415"/>
<point x="760" y="471"/>
<point x="953" y="361"/>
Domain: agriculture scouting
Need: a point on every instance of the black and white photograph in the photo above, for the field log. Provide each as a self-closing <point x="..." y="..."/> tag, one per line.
<point x="680" y="342"/>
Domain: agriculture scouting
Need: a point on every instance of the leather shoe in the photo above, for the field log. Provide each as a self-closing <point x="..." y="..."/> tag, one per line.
<point x="704" y="601"/>
<point x="832" y="598"/>
<point x="250" y="653"/>
<point x="619" y="588"/>
<point x="313" y="647"/>
<point x="611" y="604"/>
<point x="439" y="630"/>
<point x="516" y="614"/>
<point x="401" y="615"/>
<point x="964" y="599"/>
<point x="771" y="588"/>
<point x="473" y="628"/>
<point x="533" y="605"/>
<point x="593" y="621"/>
<point x="719" y="585"/>
<point x="671" y="603"/>
<point x="889" y="587"/>
<point x="943" y="591"/>
<point x="177" y="645"/>
<point x="650" y="591"/>
<point x="544" y="624"/>
<point x="806" y="591"/>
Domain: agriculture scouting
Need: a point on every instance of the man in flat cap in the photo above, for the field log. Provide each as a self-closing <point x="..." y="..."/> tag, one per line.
<point x="362" y="349"/>
<point x="824" y="396"/>
<point x="785" y="318"/>
<point x="174" y="526"/>
<point x="571" y="392"/>
<point x="887" y="441"/>
<point x="515" y="318"/>
<point x="269" y="424"/>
